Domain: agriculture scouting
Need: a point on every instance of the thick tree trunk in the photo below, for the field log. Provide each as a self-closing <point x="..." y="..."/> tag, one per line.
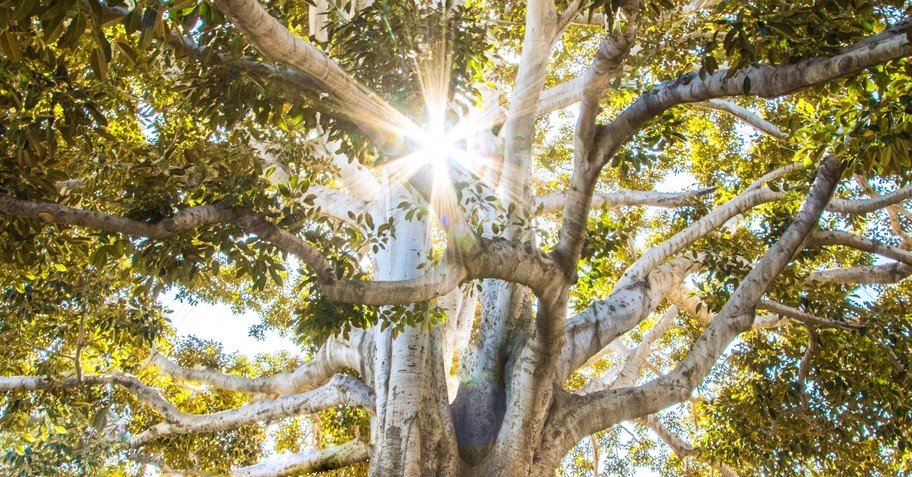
<point x="413" y="431"/>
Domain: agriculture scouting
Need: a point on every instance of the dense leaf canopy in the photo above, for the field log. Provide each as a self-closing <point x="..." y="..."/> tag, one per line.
<point x="194" y="149"/>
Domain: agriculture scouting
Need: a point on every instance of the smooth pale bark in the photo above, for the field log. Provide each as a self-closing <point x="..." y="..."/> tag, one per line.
<point x="311" y="460"/>
<point x="613" y="49"/>
<point x="836" y="237"/>
<point x="745" y="115"/>
<point x="765" y="81"/>
<point x="865" y="206"/>
<point x="141" y="391"/>
<point x="341" y="390"/>
<point x="864" y="274"/>
<point x="481" y="401"/>
<point x="412" y="433"/>
<point x="460" y="306"/>
<point x="329" y="359"/>
<point x="633" y="360"/>
<point x="510" y="416"/>
<point x="555" y="201"/>
<point x="635" y="294"/>
<point x="579" y="416"/>
<point x="355" y="177"/>
<point x="275" y="42"/>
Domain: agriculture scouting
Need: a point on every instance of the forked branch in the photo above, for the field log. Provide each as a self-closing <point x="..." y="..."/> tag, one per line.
<point x="581" y="416"/>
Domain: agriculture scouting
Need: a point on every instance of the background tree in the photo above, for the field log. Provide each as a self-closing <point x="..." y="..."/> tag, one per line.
<point x="452" y="208"/>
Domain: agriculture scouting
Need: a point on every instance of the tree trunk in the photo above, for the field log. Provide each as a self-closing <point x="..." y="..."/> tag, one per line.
<point x="413" y="432"/>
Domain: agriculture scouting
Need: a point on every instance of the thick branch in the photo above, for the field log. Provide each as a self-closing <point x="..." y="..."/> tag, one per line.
<point x="765" y="81"/>
<point x="491" y="259"/>
<point x="555" y="201"/>
<point x="635" y="294"/>
<point x="598" y="410"/>
<point x="836" y="237"/>
<point x="691" y="304"/>
<point x="865" y="206"/>
<point x="612" y="51"/>
<point x="278" y="44"/>
<point x="707" y="224"/>
<point x="307" y="461"/>
<point x="601" y="323"/>
<point x="634" y="360"/>
<point x="182" y="221"/>
<point x="356" y="178"/>
<point x="141" y="391"/>
<point x="311" y="460"/>
<point x="863" y="274"/>
<point x="341" y="390"/>
<point x="330" y="358"/>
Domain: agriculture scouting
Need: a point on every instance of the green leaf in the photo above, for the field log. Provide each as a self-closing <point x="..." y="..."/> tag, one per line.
<point x="10" y="46"/>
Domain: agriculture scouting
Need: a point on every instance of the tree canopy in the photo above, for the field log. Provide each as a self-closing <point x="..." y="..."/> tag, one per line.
<point x="509" y="238"/>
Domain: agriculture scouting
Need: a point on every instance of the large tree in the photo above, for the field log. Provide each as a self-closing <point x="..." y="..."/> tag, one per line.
<point x="452" y="209"/>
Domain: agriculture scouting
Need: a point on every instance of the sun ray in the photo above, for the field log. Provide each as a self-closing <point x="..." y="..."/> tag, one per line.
<point x="446" y="146"/>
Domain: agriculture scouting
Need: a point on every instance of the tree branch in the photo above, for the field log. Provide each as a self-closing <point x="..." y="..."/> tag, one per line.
<point x="634" y="360"/>
<point x="311" y="460"/>
<point x="612" y="51"/>
<point x="552" y="99"/>
<point x="341" y="390"/>
<point x="141" y="391"/>
<point x="583" y="415"/>
<point x="276" y="43"/>
<point x="490" y="259"/>
<point x="765" y="81"/>
<point x="636" y="275"/>
<point x="863" y="274"/>
<point x="330" y="358"/>
<point x="893" y="212"/>
<point x="804" y="318"/>
<point x="182" y="221"/>
<point x="774" y="174"/>
<point x="836" y="237"/>
<point x="636" y="294"/>
<point x="865" y="206"/>
<point x="555" y="201"/>
<point x="355" y="177"/>
<point x="679" y="446"/>
<point x="707" y="224"/>
<point x="602" y="322"/>
<point x="744" y="115"/>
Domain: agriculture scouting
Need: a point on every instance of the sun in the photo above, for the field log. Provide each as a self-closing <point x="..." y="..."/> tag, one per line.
<point x="437" y="150"/>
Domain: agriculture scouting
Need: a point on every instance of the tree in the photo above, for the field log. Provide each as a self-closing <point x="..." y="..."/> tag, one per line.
<point x="452" y="208"/>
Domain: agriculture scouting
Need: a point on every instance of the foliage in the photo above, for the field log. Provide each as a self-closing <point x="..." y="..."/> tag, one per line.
<point x="143" y="109"/>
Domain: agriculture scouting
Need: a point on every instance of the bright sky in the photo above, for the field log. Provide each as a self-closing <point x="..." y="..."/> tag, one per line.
<point x="219" y="323"/>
